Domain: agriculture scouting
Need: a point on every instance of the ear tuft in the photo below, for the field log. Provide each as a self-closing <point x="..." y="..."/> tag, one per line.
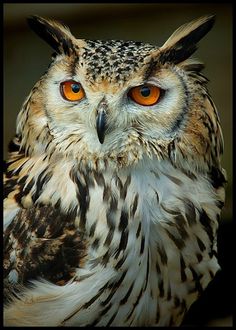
<point x="57" y="35"/>
<point x="183" y="42"/>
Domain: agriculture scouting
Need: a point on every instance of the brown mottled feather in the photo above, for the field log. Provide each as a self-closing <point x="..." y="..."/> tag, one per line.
<point x="42" y="242"/>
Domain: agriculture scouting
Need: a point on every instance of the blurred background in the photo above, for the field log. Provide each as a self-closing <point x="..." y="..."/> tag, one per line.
<point x="26" y="58"/>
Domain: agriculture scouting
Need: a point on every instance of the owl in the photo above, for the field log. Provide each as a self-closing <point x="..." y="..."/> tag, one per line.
<point x="113" y="185"/>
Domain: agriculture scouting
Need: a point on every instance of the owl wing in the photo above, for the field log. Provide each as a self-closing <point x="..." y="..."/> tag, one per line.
<point x="39" y="242"/>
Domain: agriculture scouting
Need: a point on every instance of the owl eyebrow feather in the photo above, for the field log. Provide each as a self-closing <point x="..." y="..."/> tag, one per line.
<point x="183" y="42"/>
<point x="152" y="66"/>
<point x="54" y="33"/>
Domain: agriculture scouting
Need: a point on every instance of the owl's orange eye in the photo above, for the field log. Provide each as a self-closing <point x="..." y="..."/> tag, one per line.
<point x="145" y="94"/>
<point x="72" y="90"/>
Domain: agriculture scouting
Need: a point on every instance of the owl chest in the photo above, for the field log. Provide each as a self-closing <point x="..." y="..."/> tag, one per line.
<point x="123" y="210"/>
<point x="124" y="224"/>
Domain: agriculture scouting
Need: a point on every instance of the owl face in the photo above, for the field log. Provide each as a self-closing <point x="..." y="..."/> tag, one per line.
<point x="117" y="100"/>
<point x="106" y="103"/>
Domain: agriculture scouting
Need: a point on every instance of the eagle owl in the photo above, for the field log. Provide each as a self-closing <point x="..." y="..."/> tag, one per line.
<point x="113" y="186"/>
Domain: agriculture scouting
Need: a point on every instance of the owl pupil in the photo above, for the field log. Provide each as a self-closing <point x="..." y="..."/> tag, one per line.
<point x="75" y="88"/>
<point x="145" y="91"/>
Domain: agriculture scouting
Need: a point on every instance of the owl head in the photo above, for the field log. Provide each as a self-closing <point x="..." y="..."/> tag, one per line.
<point x="118" y="102"/>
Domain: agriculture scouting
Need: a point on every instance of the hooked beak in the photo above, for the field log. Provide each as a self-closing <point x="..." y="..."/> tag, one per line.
<point x="101" y="121"/>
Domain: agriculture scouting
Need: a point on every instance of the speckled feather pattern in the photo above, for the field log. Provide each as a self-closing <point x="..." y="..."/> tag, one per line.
<point x="114" y="60"/>
<point x="121" y="232"/>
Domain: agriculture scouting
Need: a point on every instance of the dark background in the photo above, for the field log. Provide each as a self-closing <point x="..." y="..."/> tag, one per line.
<point x="26" y="57"/>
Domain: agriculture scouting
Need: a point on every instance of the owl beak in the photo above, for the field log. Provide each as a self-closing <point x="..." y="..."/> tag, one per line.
<point x="101" y="123"/>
